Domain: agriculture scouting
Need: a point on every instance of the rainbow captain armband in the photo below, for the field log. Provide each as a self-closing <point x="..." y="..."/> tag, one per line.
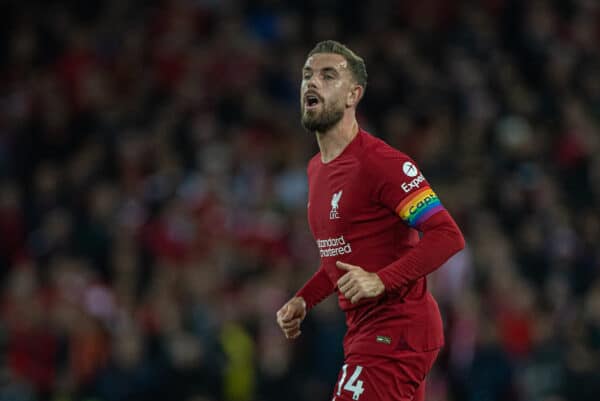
<point x="419" y="206"/>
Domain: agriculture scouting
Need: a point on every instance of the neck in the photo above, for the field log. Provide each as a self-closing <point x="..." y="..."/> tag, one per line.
<point x="333" y="142"/>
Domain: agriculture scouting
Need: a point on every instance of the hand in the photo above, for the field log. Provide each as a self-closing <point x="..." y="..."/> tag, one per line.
<point x="290" y="316"/>
<point x="358" y="283"/>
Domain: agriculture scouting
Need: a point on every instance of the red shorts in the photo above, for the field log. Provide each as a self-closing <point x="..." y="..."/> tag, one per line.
<point x="375" y="378"/>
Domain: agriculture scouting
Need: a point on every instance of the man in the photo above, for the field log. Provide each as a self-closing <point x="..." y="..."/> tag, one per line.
<point x="366" y="203"/>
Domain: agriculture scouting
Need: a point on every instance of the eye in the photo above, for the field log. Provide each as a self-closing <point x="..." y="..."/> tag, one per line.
<point x="306" y="76"/>
<point x="329" y="77"/>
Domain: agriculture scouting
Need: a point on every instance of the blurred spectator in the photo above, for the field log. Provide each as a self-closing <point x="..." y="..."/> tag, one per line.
<point x="153" y="189"/>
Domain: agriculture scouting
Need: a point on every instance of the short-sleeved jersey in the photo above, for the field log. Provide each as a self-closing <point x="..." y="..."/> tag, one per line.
<point x="364" y="207"/>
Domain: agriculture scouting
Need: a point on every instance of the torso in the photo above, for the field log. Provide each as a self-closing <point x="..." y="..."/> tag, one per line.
<point x="350" y="225"/>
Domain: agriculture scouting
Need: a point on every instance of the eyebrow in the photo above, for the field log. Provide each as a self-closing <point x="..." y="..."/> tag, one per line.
<point x="324" y="69"/>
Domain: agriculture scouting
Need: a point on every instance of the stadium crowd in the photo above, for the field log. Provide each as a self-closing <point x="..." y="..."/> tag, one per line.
<point x="153" y="193"/>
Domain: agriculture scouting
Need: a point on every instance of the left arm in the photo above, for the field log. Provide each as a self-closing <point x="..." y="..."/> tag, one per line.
<point x="441" y="239"/>
<point x="400" y="186"/>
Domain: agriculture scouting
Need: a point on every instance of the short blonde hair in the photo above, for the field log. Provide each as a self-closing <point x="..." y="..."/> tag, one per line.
<point x="356" y="64"/>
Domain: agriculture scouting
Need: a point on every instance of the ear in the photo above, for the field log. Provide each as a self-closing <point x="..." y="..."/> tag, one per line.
<point x="354" y="95"/>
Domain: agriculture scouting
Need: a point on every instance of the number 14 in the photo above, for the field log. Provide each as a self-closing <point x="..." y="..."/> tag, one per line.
<point x="354" y="385"/>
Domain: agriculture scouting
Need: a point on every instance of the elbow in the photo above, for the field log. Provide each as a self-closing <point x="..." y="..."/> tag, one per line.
<point x="459" y="240"/>
<point x="447" y="231"/>
<point x="454" y="238"/>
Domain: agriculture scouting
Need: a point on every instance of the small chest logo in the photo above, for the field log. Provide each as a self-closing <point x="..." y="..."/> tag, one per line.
<point x="335" y="204"/>
<point x="383" y="339"/>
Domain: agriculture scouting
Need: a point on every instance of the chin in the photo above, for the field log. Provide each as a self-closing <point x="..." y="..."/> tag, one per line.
<point x="320" y="120"/>
<point x="309" y="117"/>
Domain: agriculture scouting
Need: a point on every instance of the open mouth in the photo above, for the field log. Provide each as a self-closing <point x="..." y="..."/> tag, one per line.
<point x="311" y="100"/>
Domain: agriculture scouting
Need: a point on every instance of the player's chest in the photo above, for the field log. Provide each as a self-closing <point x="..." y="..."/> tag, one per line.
<point x="336" y="200"/>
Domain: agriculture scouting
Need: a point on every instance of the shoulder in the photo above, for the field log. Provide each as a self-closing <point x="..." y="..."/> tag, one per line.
<point x="379" y="154"/>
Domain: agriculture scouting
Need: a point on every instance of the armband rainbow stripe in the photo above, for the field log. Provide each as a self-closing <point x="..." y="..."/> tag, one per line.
<point x="419" y="206"/>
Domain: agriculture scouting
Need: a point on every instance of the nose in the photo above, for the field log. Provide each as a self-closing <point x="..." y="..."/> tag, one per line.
<point x="312" y="82"/>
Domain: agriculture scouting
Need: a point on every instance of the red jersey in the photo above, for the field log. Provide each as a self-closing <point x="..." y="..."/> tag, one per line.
<point x="365" y="208"/>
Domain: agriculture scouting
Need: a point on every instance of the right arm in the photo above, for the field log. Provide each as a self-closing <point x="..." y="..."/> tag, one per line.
<point x="291" y="315"/>
<point x="316" y="289"/>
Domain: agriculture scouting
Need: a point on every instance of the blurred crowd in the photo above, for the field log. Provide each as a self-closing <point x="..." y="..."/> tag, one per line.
<point x="153" y="192"/>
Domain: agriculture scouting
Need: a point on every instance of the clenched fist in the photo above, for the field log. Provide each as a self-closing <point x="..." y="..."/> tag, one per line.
<point x="290" y="316"/>
<point x="357" y="283"/>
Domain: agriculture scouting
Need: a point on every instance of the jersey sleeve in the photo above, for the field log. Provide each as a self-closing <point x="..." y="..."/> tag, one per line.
<point x="316" y="289"/>
<point x="401" y="187"/>
<point x="441" y="239"/>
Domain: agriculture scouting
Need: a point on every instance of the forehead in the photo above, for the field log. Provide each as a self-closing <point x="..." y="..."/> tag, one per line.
<point x="320" y="61"/>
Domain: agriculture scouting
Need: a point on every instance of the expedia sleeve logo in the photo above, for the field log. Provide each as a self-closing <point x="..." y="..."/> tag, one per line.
<point x="410" y="170"/>
<point x="419" y="206"/>
<point x="413" y="184"/>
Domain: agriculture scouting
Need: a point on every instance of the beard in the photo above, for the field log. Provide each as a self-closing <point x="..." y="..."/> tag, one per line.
<point x="321" y="121"/>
